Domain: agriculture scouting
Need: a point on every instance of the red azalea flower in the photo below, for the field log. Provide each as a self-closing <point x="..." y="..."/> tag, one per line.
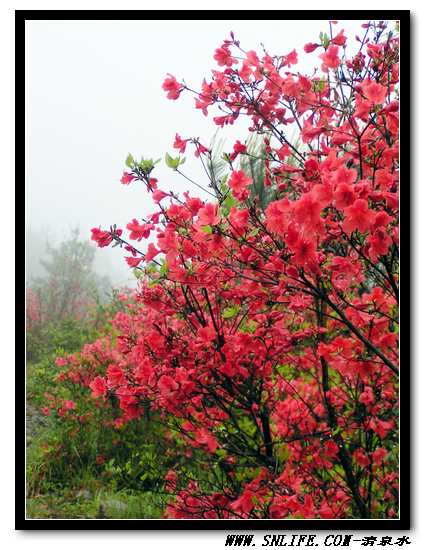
<point x="208" y="215"/>
<point x="340" y="39"/>
<point x="330" y="58"/>
<point x="344" y="195"/>
<point x="238" y="182"/>
<point x="102" y="238"/>
<point x="139" y="231"/>
<point x="305" y="252"/>
<point x="180" y="144"/>
<point x="151" y="252"/>
<point x="200" y="149"/>
<point x="158" y="195"/>
<point x="238" y="148"/>
<point x="310" y="47"/>
<point x="115" y="375"/>
<point x="358" y="216"/>
<point x="133" y="262"/>
<point x="98" y="387"/>
<point x="374" y="92"/>
<point x="223" y="56"/>
<point x="127" y="178"/>
<point x="171" y="86"/>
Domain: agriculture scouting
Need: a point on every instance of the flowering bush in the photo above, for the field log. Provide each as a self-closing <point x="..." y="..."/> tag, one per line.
<point x="264" y="331"/>
<point x="78" y="458"/>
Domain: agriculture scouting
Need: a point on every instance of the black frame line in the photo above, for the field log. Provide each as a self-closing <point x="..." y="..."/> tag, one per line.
<point x="401" y="523"/>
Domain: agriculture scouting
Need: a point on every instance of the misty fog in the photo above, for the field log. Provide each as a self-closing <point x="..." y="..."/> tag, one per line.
<point x="94" y="94"/>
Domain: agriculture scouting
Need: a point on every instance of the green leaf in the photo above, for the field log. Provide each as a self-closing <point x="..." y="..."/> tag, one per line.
<point x="326" y="41"/>
<point x="254" y="232"/>
<point x="168" y="160"/>
<point x="146" y="165"/>
<point x="164" y="269"/>
<point x="319" y="85"/>
<point x="207" y="229"/>
<point x="223" y="184"/>
<point x="230" y="312"/>
<point x="250" y="327"/>
<point x="227" y="204"/>
<point x="129" y="161"/>
<point x="172" y="162"/>
<point x="282" y="453"/>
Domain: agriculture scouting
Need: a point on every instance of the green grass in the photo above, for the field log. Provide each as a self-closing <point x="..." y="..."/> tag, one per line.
<point x="59" y="489"/>
<point x="83" y="504"/>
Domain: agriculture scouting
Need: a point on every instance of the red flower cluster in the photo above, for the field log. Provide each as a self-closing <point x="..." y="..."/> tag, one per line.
<point x="265" y="325"/>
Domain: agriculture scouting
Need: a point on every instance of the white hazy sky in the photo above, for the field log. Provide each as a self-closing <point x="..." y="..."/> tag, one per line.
<point x="93" y="94"/>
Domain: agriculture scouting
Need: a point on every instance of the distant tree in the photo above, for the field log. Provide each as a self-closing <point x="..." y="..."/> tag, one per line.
<point x="70" y="287"/>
